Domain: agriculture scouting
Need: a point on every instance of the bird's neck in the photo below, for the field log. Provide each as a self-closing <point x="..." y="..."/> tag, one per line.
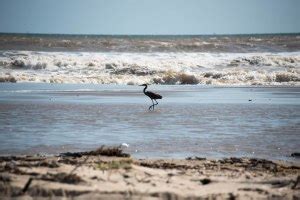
<point x="145" y="89"/>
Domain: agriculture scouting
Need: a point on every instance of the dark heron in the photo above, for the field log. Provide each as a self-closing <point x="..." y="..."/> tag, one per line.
<point x="152" y="96"/>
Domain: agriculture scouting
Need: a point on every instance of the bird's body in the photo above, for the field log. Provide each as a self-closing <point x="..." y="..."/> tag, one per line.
<point x="152" y="96"/>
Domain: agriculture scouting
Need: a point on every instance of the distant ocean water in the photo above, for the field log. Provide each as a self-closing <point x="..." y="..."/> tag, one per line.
<point x="210" y="60"/>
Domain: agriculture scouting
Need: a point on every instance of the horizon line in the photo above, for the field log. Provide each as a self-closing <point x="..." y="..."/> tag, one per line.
<point x="94" y="34"/>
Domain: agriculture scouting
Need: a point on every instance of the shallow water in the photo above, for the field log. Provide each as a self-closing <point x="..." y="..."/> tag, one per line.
<point x="189" y="120"/>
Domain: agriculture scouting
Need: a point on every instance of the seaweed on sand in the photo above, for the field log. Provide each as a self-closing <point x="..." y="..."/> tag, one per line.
<point x="103" y="151"/>
<point x="62" y="178"/>
<point x="108" y="151"/>
<point x="203" y="181"/>
<point x="195" y="158"/>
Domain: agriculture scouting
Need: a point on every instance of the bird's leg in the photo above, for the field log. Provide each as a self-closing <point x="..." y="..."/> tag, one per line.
<point x="152" y="105"/>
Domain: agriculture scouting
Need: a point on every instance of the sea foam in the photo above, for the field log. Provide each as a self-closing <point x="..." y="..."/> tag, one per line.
<point x="154" y="68"/>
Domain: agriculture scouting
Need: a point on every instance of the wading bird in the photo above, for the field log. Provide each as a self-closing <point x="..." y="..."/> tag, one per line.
<point x="152" y="96"/>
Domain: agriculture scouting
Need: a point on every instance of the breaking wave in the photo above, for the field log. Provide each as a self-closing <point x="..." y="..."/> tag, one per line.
<point x="155" y="68"/>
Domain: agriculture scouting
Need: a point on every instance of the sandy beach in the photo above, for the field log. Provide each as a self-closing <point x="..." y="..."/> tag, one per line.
<point x="108" y="173"/>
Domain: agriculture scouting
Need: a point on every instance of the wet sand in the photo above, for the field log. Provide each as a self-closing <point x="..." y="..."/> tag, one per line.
<point x="98" y="175"/>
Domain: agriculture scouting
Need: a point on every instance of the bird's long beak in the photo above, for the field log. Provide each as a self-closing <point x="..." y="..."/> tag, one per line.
<point x="140" y="85"/>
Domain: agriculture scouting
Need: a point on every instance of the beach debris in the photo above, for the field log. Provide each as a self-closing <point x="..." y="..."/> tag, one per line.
<point x="295" y="154"/>
<point x="27" y="185"/>
<point x="94" y="178"/>
<point x="126" y="176"/>
<point x="108" y="151"/>
<point x="205" y="181"/>
<point x="195" y="158"/>
<point x="62" y="178"/>
<point x="103" y="151"/>
<point x="262" y="163"/>
<point x="231" y="160"/>
<point x="71" y="154"/>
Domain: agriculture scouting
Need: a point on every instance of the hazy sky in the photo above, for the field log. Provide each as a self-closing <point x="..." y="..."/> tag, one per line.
<point x="150" y="16"/>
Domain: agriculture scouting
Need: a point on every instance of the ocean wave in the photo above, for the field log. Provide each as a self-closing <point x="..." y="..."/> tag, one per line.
<point x="157" y="68"/>
<point x="152" y="43"/>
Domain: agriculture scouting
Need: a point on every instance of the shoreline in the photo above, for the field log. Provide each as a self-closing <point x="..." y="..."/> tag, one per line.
<point x="55" y="151"/>
<point x="108" y="173"/>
